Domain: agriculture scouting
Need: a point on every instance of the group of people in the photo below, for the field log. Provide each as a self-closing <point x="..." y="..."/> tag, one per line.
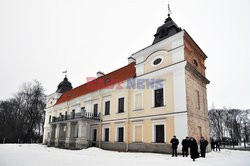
<point x="189" y="142"/>
<point x="215" y="145"/>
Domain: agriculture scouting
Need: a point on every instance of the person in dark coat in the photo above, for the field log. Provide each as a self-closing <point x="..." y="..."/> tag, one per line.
<point x="217" y="145"/>
<point x="175" y="142"/>
<point x="212" y="144"/>
<point x="203" y="146"/>
<point x="185" y="145"/>
<point x="193" y="149"/>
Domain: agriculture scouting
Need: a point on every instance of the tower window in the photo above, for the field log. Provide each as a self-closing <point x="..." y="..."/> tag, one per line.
<point x="198" y="99"/>
<point x="195" y="63"/>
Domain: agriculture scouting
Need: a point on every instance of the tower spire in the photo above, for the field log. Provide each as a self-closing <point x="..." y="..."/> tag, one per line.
<point x="169" y="10"/>
<point x="65" y="72"/>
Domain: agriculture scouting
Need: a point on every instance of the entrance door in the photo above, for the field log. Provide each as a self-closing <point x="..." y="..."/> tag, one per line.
<point x="159" y="133"/>
<point x="94" y="135"/>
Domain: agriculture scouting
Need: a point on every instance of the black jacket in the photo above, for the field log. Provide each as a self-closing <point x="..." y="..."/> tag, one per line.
<point x="203" y="144"/>
<point x="185" y="144"/>
<point x="174" y="142"/>
<point x="194" y="149"/>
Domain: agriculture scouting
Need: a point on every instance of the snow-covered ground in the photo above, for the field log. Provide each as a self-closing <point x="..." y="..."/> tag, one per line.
<point x="40" y="155"/>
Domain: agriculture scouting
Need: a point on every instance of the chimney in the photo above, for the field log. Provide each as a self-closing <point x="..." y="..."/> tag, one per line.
<point x="130" y="60"/>
<point x="99" y="74"/>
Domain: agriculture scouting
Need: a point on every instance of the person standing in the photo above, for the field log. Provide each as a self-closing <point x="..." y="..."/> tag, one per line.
<point x="212" y="144"/>
<point x="175" y="142"/>
<point x="217" y="145"/>
<point x="185" y="145"/>
<point x="203" y="146"/>
<point x="193" y="149"/>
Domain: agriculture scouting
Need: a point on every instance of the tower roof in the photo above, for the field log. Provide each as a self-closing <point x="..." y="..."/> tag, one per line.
<point x="169" y="28"/>
<point x="64" y="86"/>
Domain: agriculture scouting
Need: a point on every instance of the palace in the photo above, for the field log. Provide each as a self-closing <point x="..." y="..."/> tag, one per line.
<point x="139" y="107"/>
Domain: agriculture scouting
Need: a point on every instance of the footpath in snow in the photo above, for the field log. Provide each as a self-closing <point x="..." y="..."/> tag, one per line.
<point x="40" y="155"/>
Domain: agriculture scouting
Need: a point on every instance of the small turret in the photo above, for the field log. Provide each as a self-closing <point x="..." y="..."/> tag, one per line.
<point x="64" y="86"/>
<point x="169" y="28"/>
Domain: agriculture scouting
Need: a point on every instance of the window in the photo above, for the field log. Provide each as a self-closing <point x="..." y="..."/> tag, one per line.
<point x="158" y="97"/>
<point x="159" y="134"/>
<point x="107" y="108"/>
<point x="95" y="110"/>
<point x="120" y="134"/>
<point x="49" y="118"/>
<point x="138" y="101"/>
<point x="107" y="81"/>
<point x="94" y="134"/>
<point x="73" y="114"/>
<point x="138" y="133"/>
<point x="75" y="130"/>
<point x="61" y="116"/>
<point x="66" y="115"/>
<point x="198" y="99"/>
<point x="157" y="61"/>
<point x="195" y="63"/>
<point x="200" y="131"/>
<point x="106" y="134"/>
<point x="121" y="105"/>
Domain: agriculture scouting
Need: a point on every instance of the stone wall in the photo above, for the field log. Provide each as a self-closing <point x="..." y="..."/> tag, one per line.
<point x="197" y="114"/>
<point x="138" y="147"/>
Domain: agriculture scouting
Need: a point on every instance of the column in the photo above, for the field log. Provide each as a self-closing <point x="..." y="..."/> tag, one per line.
<point x="69" y="141"/>
<point x="51" y="135"/>
<point x="81" y="141"/>
<point x="57" y="134"/>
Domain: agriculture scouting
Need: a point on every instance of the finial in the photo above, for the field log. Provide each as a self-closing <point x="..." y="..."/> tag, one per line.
<point x="65" y="72"/>
<point x="169" y="10"/>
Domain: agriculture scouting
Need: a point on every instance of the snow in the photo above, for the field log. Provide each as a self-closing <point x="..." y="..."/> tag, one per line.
<point x="40" y="155"/>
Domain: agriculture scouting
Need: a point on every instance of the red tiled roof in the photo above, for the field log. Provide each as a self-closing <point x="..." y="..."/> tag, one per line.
<point x="106" y="81"/>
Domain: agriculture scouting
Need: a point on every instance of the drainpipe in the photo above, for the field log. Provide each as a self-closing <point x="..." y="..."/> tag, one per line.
<point x="100" y="121"/>
<point x="100" y="130"/>
<point x="128" y="108"/>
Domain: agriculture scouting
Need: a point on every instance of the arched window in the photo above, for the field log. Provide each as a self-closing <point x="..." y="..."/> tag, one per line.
<point x="195" y="63"/>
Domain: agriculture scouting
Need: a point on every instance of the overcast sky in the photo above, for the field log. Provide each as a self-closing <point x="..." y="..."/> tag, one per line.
<point x="41" y="38"/>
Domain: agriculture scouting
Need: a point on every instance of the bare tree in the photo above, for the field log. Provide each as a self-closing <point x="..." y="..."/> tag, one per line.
<point x="216" y="123"/>
<point x="22" y="116"/>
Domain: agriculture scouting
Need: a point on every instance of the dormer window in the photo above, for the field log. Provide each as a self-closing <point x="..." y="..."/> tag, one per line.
<point x="107" y="81"/>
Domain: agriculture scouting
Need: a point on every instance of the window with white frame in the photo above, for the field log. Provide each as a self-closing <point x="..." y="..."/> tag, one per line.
<point x="158" y="97"/>
<point x="95" y="110"/>
<point x="159" y="133"/>
<point x="107" y="108"/>
<point x="138" y="100"/>
<point x="121" y="105"/>
<point x="138" y="132"/>
<point x="106" y="134"/>
<point x="120" y="134"/>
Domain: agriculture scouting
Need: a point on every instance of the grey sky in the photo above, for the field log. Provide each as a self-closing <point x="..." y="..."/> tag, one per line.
<point x="41" y="38"/>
